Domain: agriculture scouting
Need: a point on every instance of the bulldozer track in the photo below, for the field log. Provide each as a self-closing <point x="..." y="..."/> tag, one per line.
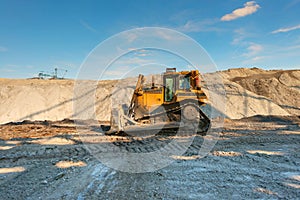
<point x="179" y="106"/>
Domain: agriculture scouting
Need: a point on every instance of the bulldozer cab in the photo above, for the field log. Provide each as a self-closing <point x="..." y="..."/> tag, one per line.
<point x="174" y="81"/>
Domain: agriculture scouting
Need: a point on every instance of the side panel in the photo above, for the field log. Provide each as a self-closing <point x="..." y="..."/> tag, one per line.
<point x="198" y="95"/>
<point x="153" y="98"/>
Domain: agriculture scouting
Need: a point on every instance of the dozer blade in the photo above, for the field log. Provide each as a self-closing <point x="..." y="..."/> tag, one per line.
<point x="159" y="128"/>
<point x="142" y="129"/>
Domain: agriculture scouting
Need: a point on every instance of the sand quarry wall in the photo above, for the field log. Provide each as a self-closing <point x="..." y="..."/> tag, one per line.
<point x="248" y="92"/>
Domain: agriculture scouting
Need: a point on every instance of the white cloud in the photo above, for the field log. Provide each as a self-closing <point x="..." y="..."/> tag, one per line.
<point x="140" y="34"/>
<point x="258" y="58"/>
<point x="283" y="30"/>
<point x="139" y="52"/>
<point x="118" y="72"/>
<point x="249" y="8"/>
<point x="253" y="49"/>
<point x="129" y="61"/>
<point x="143" y="55"/>
<point x="290" y="48"/>
<point x="291" y="4"/>
<point x="87" y="26"/>
<point x="130" y="36"/>
<point x="239" y="36"/>
<point x="3" y="49"/>
<point x="255" y="59"/>
<point x="205" y="25"/>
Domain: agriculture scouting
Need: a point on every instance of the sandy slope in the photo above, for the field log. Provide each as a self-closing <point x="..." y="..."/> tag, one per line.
<point x="282" y="87"/>
<point x="248" y="92"/>
<point x="35" y="99"/>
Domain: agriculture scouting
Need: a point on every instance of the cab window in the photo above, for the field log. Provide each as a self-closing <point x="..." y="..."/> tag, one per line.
<point x="184" y="83"/>
<point x="169" y="93"/>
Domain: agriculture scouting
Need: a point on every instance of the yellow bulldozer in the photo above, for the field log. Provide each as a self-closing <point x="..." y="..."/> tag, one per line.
<point x="175" y="103"/>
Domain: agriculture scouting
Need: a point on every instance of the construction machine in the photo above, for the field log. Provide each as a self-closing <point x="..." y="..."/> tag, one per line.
<point x="177" y="102"/>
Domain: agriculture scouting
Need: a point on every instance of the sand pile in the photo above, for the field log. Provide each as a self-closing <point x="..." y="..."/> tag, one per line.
<point x="35" y="99"/>
<point x="248" y="92"/>
<point x="240" y="102"/>
<point x="282" y="87"/>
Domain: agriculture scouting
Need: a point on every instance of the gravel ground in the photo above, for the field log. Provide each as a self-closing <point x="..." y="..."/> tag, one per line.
<point x="254" y="158"/>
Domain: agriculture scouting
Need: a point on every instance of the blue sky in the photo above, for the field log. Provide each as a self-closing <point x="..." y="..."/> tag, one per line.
<point x="41" y="35"/>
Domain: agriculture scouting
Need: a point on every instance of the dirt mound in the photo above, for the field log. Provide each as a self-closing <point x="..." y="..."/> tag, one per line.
<point x="242" y="72"/>
<point x="243" y="103"/>
<point x="38" y="100"/>
<point x="240" y="102"/>
<point x="282" y="87"/>
<point x="35" y="100"/>
<point x="249" y="92"/>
